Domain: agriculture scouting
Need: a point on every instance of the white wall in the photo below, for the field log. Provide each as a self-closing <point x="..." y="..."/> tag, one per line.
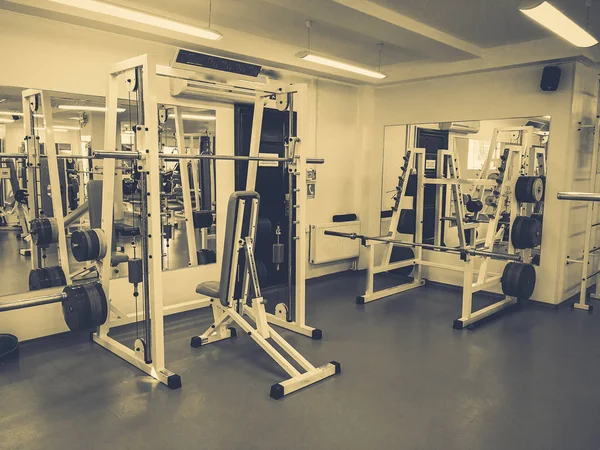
<point x="504" y="93"/>
<point x="577" y="173"/>
<point x="74" y="59"/>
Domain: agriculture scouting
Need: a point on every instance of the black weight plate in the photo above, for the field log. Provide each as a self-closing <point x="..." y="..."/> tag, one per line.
<point x="77" y="308"/>
<point x="57" y="276"/>
<point x="81" y="245"/>
<point x="517" y="232"/>
<point x="401" y="254"/>
<point x="518" y="280"/>
<point x="206" y="257"/>
<point x="529" y="189"/>
<point x="202" y="219"/>
<point x="534" y="232"/>
<point x="38" y="279"/>
<point x="508" y="280"/>
<point x="474" y="206"/>
<point x="527" y="278"/>
<point x="407" y="221"/>
<point x="98" y="303"/>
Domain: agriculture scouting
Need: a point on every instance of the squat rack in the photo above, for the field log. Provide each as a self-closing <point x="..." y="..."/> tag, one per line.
<point x="448" y="174"/>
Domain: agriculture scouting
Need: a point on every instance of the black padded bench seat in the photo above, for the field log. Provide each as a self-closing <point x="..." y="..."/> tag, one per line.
<point x="219" y="289"/>
<point x="209" y="288"/>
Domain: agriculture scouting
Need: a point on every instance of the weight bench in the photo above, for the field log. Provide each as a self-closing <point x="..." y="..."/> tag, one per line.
<point x="230" y="300"/>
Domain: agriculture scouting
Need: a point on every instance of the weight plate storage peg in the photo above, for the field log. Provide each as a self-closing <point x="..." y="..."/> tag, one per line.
<point x="518" y="280"/>
<point x="529" y="189"/>
<point x="44" y="231"/>
<point x="88" y="245"/>
<point x="84" y="306"/>
<point x="526" y="233"/>
<point x="46" y="277"/>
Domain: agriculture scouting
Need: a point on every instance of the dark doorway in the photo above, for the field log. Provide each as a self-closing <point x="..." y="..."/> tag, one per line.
<point x="432" y="141"/>
<point x="271" y="184"/>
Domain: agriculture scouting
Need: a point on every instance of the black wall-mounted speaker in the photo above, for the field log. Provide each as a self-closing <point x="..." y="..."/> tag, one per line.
<point x="550" y="78"/>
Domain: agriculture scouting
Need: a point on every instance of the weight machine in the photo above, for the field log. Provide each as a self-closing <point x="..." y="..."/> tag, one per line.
<point x="508" y="190"/>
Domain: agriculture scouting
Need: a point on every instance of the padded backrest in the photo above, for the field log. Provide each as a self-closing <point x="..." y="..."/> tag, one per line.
<point x="94" y="191"/>
<point x="230" y="246"/>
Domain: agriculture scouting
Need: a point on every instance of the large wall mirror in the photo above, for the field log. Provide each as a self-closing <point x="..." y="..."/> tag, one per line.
<point x="471" y="141"/>
<point x="79" y="126"/>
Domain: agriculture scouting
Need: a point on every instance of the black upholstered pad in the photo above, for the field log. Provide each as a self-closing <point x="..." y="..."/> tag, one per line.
<point x="209" y="288"/>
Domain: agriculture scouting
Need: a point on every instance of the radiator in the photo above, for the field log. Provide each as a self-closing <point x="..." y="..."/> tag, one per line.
<point x="325" y="249"/>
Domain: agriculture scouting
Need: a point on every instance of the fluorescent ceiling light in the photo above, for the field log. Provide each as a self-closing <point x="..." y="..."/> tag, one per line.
<point x="58" y="128"/>
<point x="140" y="17"/>
<point x="11" y="113"/>
<point x="551" y="18"/>
<point x="87" y="108"/>
<point x="195" y="117"/>
<point x="3" y="120"/>
<point x="340" y="65"/>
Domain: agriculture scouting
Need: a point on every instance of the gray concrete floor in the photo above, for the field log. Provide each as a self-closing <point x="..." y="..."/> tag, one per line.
<point x="528" y="380"/>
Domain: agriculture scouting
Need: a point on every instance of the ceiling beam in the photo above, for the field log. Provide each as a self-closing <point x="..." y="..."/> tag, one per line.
<point x="388" y="15"/>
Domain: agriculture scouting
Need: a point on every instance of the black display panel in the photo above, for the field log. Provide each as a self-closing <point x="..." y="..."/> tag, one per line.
<point x="217" y="63"/>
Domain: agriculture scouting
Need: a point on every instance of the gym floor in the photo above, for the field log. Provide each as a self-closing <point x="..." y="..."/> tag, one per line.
<point x="409" y="381"/>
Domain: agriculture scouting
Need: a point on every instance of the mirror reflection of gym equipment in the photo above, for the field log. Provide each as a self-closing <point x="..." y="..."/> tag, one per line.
<point x="208" y="208"/>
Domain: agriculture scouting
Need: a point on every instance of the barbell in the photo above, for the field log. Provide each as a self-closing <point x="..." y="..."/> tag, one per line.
<point x="582" y="196"/>
<point x="131" y="155"/>
<point x="84" y="306"/>
<point x="469" y="251"/>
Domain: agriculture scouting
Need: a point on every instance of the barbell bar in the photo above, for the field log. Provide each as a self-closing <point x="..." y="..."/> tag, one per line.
<point x="30" y="302"/>
<point x="469" y="251"/>
<point x="582" y="196"/>
<point x="127" y="155"/>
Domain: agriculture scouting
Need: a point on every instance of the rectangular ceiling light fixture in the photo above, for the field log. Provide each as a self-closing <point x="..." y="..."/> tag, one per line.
<point x="141" y="17"/>
<point x="548" y="16"/>
<point x="11" y="113"/>
<point x="340" y="65"/>
<point x="58" y="128"/>
<point x="87" y="108"/>
<point x="195" y="117"/>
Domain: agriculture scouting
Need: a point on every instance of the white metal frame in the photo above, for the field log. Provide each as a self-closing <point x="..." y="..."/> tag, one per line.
<point x="237" y="308"/>
<point x="147" y="144"/>
<point x="588" y="252"/>
<point x="33" y="100"/>
<point x="474" y="279"/>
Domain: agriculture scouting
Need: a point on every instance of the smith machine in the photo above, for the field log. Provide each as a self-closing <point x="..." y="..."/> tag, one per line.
<point x="510" y="195"/>
<point x="88" y="306"/>
<point x="44" y="228"/>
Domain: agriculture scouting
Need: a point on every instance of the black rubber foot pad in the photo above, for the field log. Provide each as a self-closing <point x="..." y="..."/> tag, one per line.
<point x="457" y="324"/>
<point x="233" y="331"/>
<point x="338" y="367"/>
<point x="277" y="391"/>
<point x="317" y="334"/>
<point x="360" y="300"/>
<point x="196" y="341"/>
<point x="174" y="381"/>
